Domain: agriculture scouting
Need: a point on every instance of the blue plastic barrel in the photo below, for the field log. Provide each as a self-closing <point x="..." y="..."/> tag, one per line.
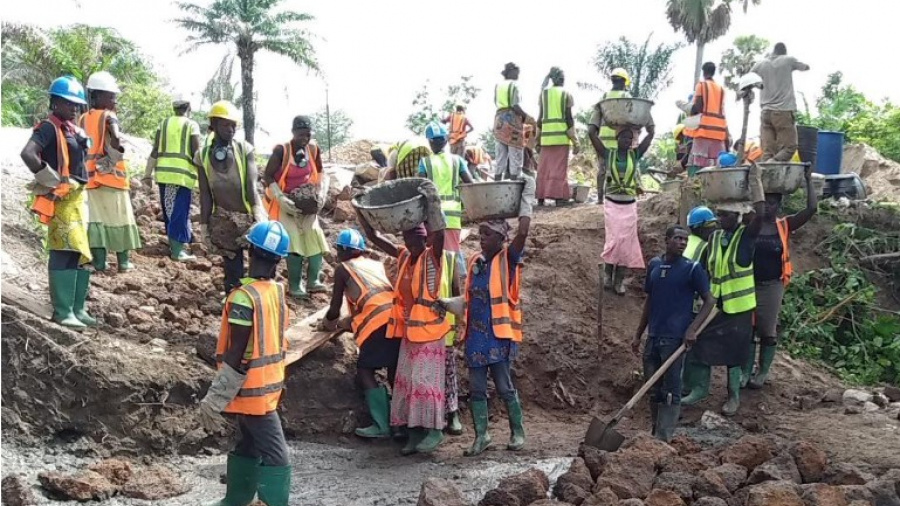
<point x="830" y="152"/>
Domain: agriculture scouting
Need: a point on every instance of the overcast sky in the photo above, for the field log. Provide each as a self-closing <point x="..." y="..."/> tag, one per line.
<point x="376" y="55"/>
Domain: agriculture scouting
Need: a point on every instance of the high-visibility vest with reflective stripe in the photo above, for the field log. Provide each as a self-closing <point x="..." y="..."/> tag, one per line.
<point x="273" y="206"/>
<point x="443" y="170"/>
<point x="174" y="159"/>
<point x="44" y="206"/>
<point x="712" y="119"/>
<point x="506" y="311"/>
<point x="240" y="150"/>
<point x="448" y="271"/>
<point x="503" y="93"/>
<point x="457" y="127"/>
<point x="424" y="323"/>
<point x="617" y="183"/>
<point x="553" y="117"/>
<point x="730" y="283"/>
<point x="695" y="248"/>
<point x="417" y="148"/>
<point x="94" y="124"/>
<point x="608" y="134"/>
<point x="784" y="233"/>
<point x="264" y="359"/>
<point x="372" y="310"/>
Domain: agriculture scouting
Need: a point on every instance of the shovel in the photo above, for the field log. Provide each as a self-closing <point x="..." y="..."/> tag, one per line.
<point x="604" y="436"/>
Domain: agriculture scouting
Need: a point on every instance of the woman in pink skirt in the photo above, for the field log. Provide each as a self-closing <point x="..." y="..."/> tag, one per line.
<point x="556" y="132"/>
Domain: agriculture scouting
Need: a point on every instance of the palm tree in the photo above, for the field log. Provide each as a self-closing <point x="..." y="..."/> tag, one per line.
<point x="251" y="25"/>
<point x="702" y="22"/>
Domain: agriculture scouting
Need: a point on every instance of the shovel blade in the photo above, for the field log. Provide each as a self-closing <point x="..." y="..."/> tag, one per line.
<point x="603" y="436"/>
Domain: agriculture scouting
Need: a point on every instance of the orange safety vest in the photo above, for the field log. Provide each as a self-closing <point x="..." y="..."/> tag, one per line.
<point x="372" y="310"/>
<point x="264" y="359"/>
<point x="712" y="119"/>
<point x="94" y="124"/>
<point x="273" y="207"/>
<point x="457" y="127"/>
<point x="45" y="205"/>
<point x="506" y="311"/>
<point x="425" y="324"/>
<point x="787" y="269"/>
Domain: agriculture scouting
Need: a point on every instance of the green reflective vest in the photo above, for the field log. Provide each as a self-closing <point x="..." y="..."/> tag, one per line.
<point x="553" y="117"/>
<point x="695" y="248"/>
<point x="503" y="94"/>
<point x="608" y="134"/>
<point x="407" y="146"/>
<point x="240" y="150"/>
<point x="730" y="283"/>
<point x="174" y="159"/>
<point x="618" y="183"/>
<point x="443" y="170"/>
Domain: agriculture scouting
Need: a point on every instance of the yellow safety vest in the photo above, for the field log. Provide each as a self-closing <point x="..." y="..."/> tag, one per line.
<point x="695" y="248"/>
<point x="448" y="270"/>
<point x="443" y="170"/>
<point x="553" y="117"/>
<point x="503" y="94"/>
<point x="407" y="146"/>
<point x="240" y="156"/>
<point x="730" y="283"/>
<point x="617" y="183"/>
<point x="608" y="134"/>
<point x="174" y="160"/>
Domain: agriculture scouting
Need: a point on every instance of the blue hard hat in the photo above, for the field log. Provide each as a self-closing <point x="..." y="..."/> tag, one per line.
<point x="351" y="239"/>
<point x="270" y="236"/>
<point x="434" y="130"/>
<point x="699" y="216"/>
<point x="727" y="159"/>
<point x="68" y="88"/>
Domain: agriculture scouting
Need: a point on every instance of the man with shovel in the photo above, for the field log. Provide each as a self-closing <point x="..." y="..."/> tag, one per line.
<point x="671" y="285"/>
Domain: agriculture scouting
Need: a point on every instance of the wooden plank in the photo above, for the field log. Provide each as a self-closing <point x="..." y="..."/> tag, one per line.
<point x="26" y="300"/>
<point x="303" y="337"/>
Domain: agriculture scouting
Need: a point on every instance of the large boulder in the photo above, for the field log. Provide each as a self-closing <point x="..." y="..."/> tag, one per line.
<point x="680" y="483"/>
<point x="749" y="451"/>
<point x="774" y="493"/>
<point x="603" y="497"/>
<point x="16" y="491"/>
<point x="780" y="468"/>
<point x="519" y="489"/>
<point x="885" y="489"/>
<point x="657" y="449"/>
<point x="691" y="463"/>
<point x="575" y="485"/>
<point x="440" y="492"/>
<point x="83" y="485"/>
<point x="710" y="484"/>
<point x="821" y="494"/>
<point x="660" y="497"/>
<point x="857" y="493"/>
<point x="685" y="445"/>
<point x="733" y="475"/>
<point x="594" y="459"/>
<point x="842" y="473"/>
<point x="629" y="473"/>
<point x="811" y="461"/>
<point x="117" y="471"/>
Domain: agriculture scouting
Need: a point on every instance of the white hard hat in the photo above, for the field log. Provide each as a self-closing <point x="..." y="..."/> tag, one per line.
<point x="750" y="80"/>
<point x="180" y="99"/>
<point x="103" y="81"/>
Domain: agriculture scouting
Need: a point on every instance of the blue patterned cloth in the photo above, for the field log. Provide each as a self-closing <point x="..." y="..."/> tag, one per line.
<point x="176" y="210"/>
<point x="482" y="348"/>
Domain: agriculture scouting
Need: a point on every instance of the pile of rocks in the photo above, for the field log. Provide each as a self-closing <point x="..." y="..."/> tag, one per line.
<point x="857" y="401"/>
<point x="752" y="471"/>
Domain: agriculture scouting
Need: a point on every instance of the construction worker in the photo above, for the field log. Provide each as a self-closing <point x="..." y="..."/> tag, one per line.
<point x="55" y="154"/>
<point x="672" y="283"/>
<point x="772" y="271"/>
<point x="711" y="137"/>
<point x="364" y="284"/>
<point x="727" y="339"/>
<point x="403" y="162"/>
<point x="176" y="141"/>
<point x="778" y="126"/>
<point x="702" y="222"/>
<point x="460" y="128"/>
<point x="418" y="400"/>
<point x="509" y="125"/>
<point x="621" y="81"/>
<point x="555" y="133"/>
<point x="493" y="329"/>
<point x="475" y="157"/>
<point x="111" y="223"/>
<point x="250" y="377"/>
<point x="621" y="178"/>
<point x="293" y="164"/>
<point x="380" y="152"/>
<point x="229" y="203"/>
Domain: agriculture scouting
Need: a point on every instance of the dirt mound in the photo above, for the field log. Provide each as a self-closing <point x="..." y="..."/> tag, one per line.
<point x="353" y="153"/>
<point x="881" y="176"/>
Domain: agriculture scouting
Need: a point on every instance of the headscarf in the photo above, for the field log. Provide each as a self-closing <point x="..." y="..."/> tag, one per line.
<point x="499" y="226"/>
<point x="509" y="67"/>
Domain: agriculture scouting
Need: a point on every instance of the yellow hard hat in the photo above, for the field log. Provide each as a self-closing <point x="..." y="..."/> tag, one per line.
<point x="225" y="110"/>
<point x="620" y="72"/>
<point x="677" y="130"/>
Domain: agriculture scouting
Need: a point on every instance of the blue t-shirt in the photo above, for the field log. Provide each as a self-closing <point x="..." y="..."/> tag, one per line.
<point x="482" y="347"/>
<point x="671" y="288"/>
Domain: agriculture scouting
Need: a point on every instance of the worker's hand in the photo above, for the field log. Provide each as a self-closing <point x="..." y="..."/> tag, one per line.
<point x="807" y="171"/>
<point x="454" y="305"/>
<point x="328" y="325"/>
<point x="224" y="388"/>
<point x="636" y="344"/>
<point x="47" y="176"/>
<point x="206" y="239"/>
<point x="345" y="323"/>
<point x="651" y="129"/>
<point x="690" y="337"/>
<point x="211" y="420"/>
<point x="364" y="223"/>
<point x="434" y="216"/>
<point x="528" y="200"/>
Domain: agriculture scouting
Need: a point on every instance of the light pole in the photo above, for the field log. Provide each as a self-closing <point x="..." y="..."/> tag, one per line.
<point x="328" y="122"/>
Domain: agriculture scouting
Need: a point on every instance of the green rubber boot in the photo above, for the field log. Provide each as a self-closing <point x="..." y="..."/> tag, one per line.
<point x="415" y="436"/>
<point x="431" y="441"/>
<point x="516" y="427"/>
<point x="241" y="481"/>
<point x="482" y="436"/>
<point x="295" y="276"/>
<point x="82" y="284"/>
<point x="313" y="285"/>
<point x="666" y="421"/>
<point x="747" y="368"/>
<point x="125" y="264"/>
<point x="700" y="374"/>
<point x="379" y="409"/>
<point x="274" y="485"/>
<point x="609" y="271"/>
<point x="454" y="426"/>
<point x="62" y="295"/>
<point x="766" y="357"/>
<point x="178" y="253"/>
<point x="99" y="259"/>
<point x="731" y="406"/>
<point x="654" y="417"/>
